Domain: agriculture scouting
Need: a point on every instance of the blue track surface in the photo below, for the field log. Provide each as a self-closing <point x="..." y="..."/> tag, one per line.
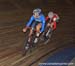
<point x="63" y="56"/>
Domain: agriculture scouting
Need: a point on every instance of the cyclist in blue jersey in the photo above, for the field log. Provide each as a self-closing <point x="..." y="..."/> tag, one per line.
<point x="37" y="21"/>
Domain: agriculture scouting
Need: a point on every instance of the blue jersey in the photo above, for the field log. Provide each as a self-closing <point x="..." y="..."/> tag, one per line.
<point x="41" y="19"/>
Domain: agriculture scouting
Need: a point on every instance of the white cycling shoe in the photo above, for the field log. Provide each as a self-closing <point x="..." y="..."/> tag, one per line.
<point x="36" y="40"/>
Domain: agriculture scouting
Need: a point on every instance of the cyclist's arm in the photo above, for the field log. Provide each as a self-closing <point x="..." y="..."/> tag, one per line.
<point x="30" y="21"/>
<point x="43" y="24"/>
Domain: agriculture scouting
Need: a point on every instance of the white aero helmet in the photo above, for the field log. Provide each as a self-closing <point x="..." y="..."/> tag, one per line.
<point x="38" y="10"/>
<point x="50" y="14"/>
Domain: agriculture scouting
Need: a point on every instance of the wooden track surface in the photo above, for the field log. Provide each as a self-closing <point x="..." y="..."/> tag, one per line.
<point x="12" y="38"/>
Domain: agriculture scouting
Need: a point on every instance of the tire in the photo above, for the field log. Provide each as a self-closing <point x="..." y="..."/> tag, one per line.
<point x="25" y="45"/>
<point x="28" y="46"/>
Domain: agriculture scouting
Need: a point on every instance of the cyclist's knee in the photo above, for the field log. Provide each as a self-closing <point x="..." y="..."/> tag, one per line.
<point x="38" y="27"/>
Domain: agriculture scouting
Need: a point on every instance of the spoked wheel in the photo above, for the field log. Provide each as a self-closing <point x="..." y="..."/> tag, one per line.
<point x="28" y="46"/>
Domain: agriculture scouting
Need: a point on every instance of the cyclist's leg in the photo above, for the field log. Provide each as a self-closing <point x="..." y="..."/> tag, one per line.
<point x="38" y="27"/>
<point x="30" y="34"/>
<point x="47" y="26"/>
<point x="47" y="30"/>
<point x="31" y="31"/>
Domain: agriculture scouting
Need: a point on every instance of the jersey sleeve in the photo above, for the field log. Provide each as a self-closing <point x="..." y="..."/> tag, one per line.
<point x="43" y="24"/>
<point x="30" y="21"/>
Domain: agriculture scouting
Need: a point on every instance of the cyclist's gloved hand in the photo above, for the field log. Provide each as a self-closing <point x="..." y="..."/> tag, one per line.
<point x="25" y="29"/>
